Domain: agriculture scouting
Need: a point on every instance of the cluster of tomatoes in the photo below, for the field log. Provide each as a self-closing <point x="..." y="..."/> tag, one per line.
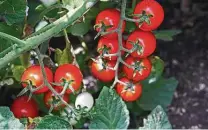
<point x="140" y="44"/>
<point x="133" y="53"/>
<point x="67" y="74"/>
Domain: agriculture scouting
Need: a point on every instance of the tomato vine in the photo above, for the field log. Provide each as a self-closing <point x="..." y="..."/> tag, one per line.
<point x="117" y="57"/>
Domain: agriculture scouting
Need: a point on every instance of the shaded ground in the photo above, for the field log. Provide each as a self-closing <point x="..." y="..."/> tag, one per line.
<point x="186" y="58"/>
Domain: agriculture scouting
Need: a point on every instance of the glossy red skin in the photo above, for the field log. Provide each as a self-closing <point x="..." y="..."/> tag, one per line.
<point x="151" y="7"/>
<point x="34" y="74"/>
<point x="128" y="95"/>
<point x="68" y="72"/>
<point x="146" y="39"/>
<point x="22" y="108"/>
<point x="48" y="98"/>
<point x="144" y="73"/>
<point x="111" y="43"/>
<point x="110" y="17"/>
<point x="105" y="75"/>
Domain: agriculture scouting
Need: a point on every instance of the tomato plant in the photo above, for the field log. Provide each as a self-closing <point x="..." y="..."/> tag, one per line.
<point x="130" y="91"/>
<point x="52" y="100"/>
<point x="24" y="107"/>
<point x="84" y="100"/>
<point x="103" y="70"/>
<point x="108" y="45"/>
<point x="108" y="20"/>
<point x="50" y="49"/>
<point x="68" y="73"/>
<point x="33" y="76"/>
<point x="150" y="13"/>
<point x="144" y="43"/>
<point x="141" y="70"/>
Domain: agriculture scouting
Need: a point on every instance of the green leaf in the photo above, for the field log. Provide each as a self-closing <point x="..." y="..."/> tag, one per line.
<point x="80" y="29"/>
<point x="130" y="27"/>
<point x="39" y="98"/>
<point x="66" y="57"/>
<point x="158" y="93"/>
<point x="134" y="108"/>
<point x="40" y="7"/>
<point x="80" y="123"/>
<point x="157" y="70"/>
<point x="11" y="30"/>
<point x="166" y="35"/>
<point x="8" y="121"/>
<point x="63" y="57"/>
<point x="157" y="120"/>
<point x="53" y="122"/>
<point x="107" y="4"/>
<point x="14" y="11"/>
<point x="7" y="45"/>
<point x="58" y="53"/>
<point x="34" y="12"/>
<point x="92" y="13"/>
<point x="81" y="60"/>
<point x="18" y="71"/>
<point x="110" y="111"/>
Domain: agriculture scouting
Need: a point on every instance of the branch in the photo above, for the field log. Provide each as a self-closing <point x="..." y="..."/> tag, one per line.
<point x="120" y="40"/>
<point x="47" y="32"/>
<point x="15" y="40"/>
<point x="46" y="83"/>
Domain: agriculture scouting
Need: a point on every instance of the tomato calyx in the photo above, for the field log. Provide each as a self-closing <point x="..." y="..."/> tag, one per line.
<point x="129" y="87"/>
<point x="67" y="84"/>
<point x="104" y="50"/>
<point x="29" y="87"/>
<point x="138" y="67"/>
<point x="137" y="47"/>
<point x="143" y="17"/>
<point x="82" y="109"/>
<point x="54" y="102"/>
<point x="102" y="28"/>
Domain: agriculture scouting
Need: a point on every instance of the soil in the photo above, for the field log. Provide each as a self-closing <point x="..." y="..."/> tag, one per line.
<point x="186" y="58"/>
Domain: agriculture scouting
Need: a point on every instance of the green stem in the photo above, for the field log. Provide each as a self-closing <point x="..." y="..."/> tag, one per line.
<point x="4" y="52"/>
<point x="46" y="33"/>
<point x="40" y="60"/>
<point x="13" y="39"/>
<point x="120" y="37"/>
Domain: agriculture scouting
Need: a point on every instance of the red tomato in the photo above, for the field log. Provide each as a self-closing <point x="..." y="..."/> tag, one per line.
<point x="103" y="73"/>
<point x="145" y="42"/>
<point x="129" y="93"/>
<point x="109" y="46"/>
<point x="50" y="99"/>
<point x="151" y="7"/>
<point x="110" y="17"/>
<point x="142" y="68"/>
<point x="22" y="108"/>
<point x="70" y="73"/>
<point x="34" y="75"/>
